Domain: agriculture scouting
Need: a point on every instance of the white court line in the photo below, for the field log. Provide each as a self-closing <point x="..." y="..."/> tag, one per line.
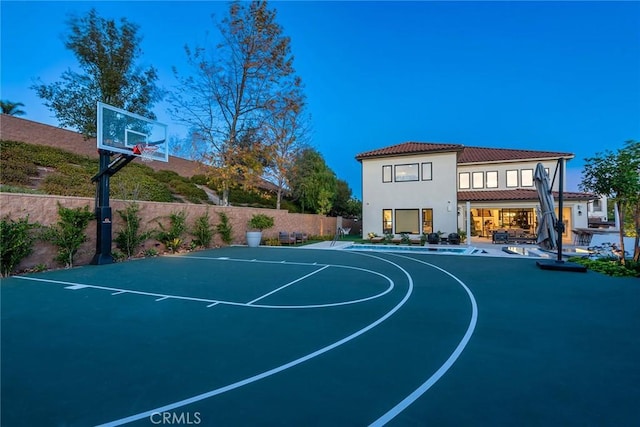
<point x="75" y="287"/>
<point x="288" y="284"/>
<point x="275" y="370"/>
<point x="213" y="302"/>
<point x="393" y="412"/>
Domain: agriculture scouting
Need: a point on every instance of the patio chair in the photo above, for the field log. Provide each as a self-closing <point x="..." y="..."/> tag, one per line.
<point x="301" y="237"/>
<point x="286" y="238"/>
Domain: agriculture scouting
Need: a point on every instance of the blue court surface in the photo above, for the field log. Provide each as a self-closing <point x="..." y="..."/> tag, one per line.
<point x="305" y="337"/>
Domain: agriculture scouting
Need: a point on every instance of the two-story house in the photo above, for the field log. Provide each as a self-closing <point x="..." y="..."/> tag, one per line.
<point x="417" y="188"/>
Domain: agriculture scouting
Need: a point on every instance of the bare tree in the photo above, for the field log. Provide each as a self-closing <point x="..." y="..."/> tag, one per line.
<point x="226" y="98"/>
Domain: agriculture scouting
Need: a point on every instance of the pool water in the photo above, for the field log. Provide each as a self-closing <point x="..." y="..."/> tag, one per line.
<point x="413" y="249"/>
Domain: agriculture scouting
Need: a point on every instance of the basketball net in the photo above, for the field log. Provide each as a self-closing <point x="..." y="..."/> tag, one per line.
<point x="145" y="151"/>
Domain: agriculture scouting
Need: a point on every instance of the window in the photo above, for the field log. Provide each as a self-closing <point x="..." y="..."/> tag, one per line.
<point x="464" y="180"/>
<point x="387" y="222"/>
<point x="427" y="171"/>
<point x="386" y="173"/>
<point x="427" y="221"/>
<point x="526" y="177"/>
<point x="407" y="221"/>
<point x="478" y="179"/>
<point x="407" y="172"/>
<point x="512" y="178"/>
<point x="597" y="206"/>
<point x="492" y="179"/>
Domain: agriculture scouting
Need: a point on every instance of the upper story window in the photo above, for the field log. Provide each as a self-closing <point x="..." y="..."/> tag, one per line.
<point x="386" y="173"/>
<point x="597" y="206"/>
<point x="526" y="177"/>
<point x="407" y="172"/>
<point x="492" y="179"/>
<point x="477" y="179"/>
<point x="464" y="180"/>
<point x="427" y="171"/>
<point x="512" y="178"/>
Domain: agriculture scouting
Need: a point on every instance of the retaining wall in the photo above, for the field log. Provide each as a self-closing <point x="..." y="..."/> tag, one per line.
<point x="44" y="210"/>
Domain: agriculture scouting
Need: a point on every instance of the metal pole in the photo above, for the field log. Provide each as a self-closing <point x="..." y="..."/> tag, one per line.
<point x="103" y="214"/>
<point x="468" y="224"/>
<point x="560" y="225"/>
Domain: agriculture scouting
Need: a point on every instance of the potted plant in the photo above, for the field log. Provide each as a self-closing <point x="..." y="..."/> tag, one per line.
<point x="256" y="224"/>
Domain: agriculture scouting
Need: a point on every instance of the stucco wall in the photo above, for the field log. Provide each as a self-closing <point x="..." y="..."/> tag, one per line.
<point x="44" y="210"/>
<point x="519" y="166"/>
<point x="439" y="193"/>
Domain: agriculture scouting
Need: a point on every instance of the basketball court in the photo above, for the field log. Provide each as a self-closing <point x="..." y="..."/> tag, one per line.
<point x="290" y="336"/>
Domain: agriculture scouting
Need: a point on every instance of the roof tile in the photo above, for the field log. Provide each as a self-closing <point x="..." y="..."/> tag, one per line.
<point x="516" y="194"/>
<point x="467" y="154"/>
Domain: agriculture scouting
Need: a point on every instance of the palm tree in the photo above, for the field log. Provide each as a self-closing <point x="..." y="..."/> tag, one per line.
<point x="12" y="108"/>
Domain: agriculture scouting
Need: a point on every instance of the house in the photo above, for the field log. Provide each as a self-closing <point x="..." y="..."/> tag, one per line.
<point x="419" y="187"/>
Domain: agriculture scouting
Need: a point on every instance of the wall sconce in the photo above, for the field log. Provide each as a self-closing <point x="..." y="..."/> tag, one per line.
<point x="449" y="207"/>
<point x="579" y="213"/>
<point x="579" y="210"/>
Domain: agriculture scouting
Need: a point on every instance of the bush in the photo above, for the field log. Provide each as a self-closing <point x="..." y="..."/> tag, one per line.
<point x="199" y="179"/>
<point x="68" y="234"/>
<point x="136" y="183"/>
<point x="610" y="266"/>
<point x="172" y="236"/>
<point x="130" y="237"/>
<point x="261" y="222"/>
<point x="224" y="228"/>
<point x="202" y="231"/>
<point x="16" y="243"/>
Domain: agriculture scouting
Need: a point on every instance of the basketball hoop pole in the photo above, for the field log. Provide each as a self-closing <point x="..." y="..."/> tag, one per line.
<point x="104" y="218"/>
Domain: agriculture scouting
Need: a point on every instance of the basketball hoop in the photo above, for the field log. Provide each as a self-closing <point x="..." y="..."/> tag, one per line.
<point x="145" y="151"/>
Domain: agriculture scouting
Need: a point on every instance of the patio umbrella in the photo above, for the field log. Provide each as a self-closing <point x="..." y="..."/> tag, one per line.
<point x="547" y="219"/>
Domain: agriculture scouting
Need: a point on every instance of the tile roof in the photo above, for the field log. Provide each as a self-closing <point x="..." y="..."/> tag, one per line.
<point x="466" y="154"/>
<point x="410" y="148"/>
<point x="516" y="194"/>
<point x="482" y="154"/>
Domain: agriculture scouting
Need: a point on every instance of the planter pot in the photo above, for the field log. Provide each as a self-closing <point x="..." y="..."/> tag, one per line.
<point x="254" y="238"/>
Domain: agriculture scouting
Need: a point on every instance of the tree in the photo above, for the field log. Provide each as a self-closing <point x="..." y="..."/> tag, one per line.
<point x="313" y="183"/>
<point x="341" y="198"/>
<point x="230" y="90"/>
<point x="12" y="108"/>
<point x="617" y="176"/>
<point x="106" y="54"/>
<point x="285" y="130"/>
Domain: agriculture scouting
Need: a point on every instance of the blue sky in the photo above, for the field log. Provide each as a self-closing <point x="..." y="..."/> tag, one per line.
<point x="559" y="76"/>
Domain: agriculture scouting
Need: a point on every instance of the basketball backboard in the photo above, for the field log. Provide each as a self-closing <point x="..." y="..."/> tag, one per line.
<point x="120" y="131"/>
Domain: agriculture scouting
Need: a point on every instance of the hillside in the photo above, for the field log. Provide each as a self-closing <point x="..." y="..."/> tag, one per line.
<point x="48" y="170"/>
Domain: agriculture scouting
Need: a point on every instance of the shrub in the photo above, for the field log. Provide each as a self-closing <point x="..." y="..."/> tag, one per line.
<point x="261" y="222"/>
<point x="68" y="233"/>
<point x="224" y="228"/>
<point x="16" y="243"/>
<point x="130" y="237"/>
<point x="199" y="179"/>
<point x="202" y="231"/>
<point x="610" y="266"/>
<point x="172" y="236"/>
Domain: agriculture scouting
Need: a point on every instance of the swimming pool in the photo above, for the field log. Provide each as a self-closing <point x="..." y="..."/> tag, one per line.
<point x="465" y="250"/>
